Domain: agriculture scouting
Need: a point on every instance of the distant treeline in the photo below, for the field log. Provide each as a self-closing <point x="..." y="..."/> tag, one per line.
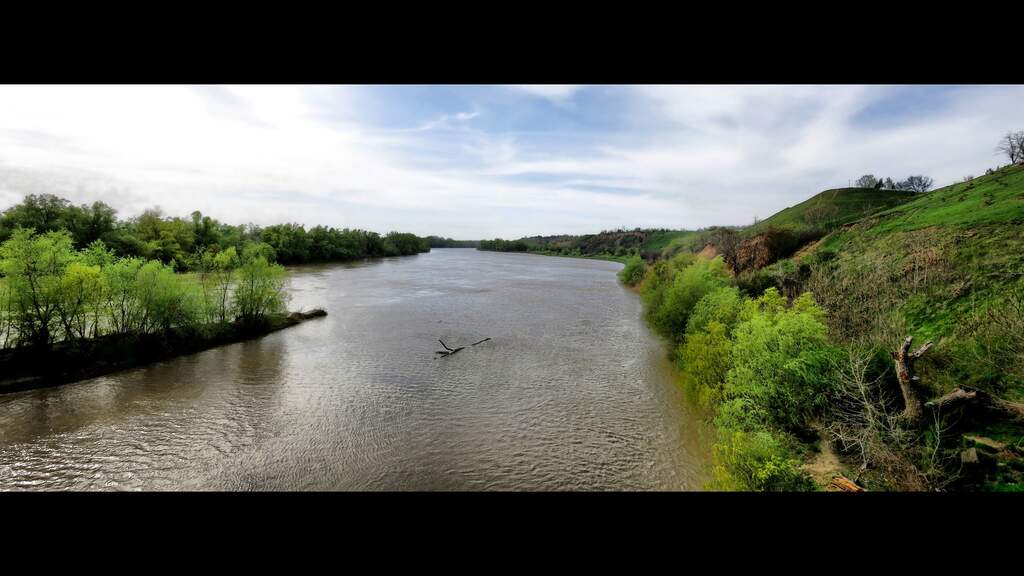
<point x="438" y="242"/>
<point x="499" y="245"/>
<point x="178" y="241"/>
<point x="612" y="244"/>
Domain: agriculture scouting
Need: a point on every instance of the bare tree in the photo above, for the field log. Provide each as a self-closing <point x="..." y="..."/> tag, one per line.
<point x="727" y="242"/>
<point x="865" y="423"/>
<point x="1013" y="146"/>
<point x="866" y="181"/>
<point x="916" y="184"/>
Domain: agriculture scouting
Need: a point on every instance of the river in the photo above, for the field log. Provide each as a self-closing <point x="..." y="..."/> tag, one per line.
<point x="572" y="392"/>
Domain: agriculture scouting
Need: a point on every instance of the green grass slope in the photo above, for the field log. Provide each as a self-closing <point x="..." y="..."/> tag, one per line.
<point x="947" y="266"/>
<point x="833" y="208"/>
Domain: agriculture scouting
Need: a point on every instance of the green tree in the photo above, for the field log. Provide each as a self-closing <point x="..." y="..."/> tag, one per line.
<point x="34" y="265"/>
<point x="7" y="310"/>
<point x="260" y="290"/>
<point x="81" y="289"/>
<point x="40" y="212"/>
<point x="224" y="265"/>
<point x="120" y="296"/>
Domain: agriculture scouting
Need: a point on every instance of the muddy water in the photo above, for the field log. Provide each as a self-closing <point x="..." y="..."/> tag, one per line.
<point x="572" y="392"/>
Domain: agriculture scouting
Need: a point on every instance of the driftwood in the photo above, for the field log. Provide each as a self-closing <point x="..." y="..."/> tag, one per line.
<point x="841" y="483"/>
<point x="448" y="351"/>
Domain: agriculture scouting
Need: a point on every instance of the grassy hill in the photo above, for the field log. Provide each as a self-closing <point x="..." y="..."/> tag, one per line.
<point x="789" y="230"/>
<point x="947" y="266"/>
<point x="833" y="208"/>
<point x="942" y="257"/>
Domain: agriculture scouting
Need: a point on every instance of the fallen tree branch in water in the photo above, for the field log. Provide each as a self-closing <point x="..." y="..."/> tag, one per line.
<point x="448" y="350"/>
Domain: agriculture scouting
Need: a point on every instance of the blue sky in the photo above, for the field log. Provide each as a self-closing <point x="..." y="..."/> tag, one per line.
<point x="487" y="161"/>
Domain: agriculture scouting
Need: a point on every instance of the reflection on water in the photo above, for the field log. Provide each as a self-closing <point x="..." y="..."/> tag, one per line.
<point x="572" y="392"/>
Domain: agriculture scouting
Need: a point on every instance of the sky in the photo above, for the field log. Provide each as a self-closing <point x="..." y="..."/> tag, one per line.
<point x="472" y="162"/>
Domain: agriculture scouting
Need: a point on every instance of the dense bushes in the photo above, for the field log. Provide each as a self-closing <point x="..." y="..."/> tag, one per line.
<point x="782" y="360"/>
<point x="50" y="292"/>
<point x="706" y="356"/>
<point x="762" y="366"/>
<point x="756" y="461"/>
<point x="675" y="298"/>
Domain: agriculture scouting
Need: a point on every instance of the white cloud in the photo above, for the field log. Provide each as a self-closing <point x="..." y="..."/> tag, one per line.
<point x="557" y="93"/>
<point x="706" y="155"/>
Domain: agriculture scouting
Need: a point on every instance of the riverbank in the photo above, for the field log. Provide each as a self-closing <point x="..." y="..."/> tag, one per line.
<point x="606" y="257"/>
<point x="66" y="362"/>
<point x="898" y="314"/>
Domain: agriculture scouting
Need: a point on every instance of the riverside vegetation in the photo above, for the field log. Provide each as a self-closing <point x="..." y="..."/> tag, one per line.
<point x="799" y="350"/>
<point x="83" y="294"/>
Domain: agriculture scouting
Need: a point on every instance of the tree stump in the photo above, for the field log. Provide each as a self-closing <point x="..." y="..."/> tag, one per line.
<point x="912" y="406"/>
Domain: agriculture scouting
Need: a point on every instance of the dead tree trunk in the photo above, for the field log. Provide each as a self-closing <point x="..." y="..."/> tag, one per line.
<point x="970" y="396"/>
<point x="960" y="396"/>
<point x="912" y="406"/>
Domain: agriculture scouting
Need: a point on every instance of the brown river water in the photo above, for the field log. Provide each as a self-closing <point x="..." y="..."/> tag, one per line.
<point x="572" y="392"/>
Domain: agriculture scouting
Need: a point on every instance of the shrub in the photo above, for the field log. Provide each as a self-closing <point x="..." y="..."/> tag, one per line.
<point x="756" y="461"/>
<point x="687" y="288"/>
<point x="633" y="273"/>
<point x="782" y="359"/>
<point x="721" y="305"/>
<point x="706" y="357"/>
<point x="652" y="288"/>
<point x="754" y="282"/>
